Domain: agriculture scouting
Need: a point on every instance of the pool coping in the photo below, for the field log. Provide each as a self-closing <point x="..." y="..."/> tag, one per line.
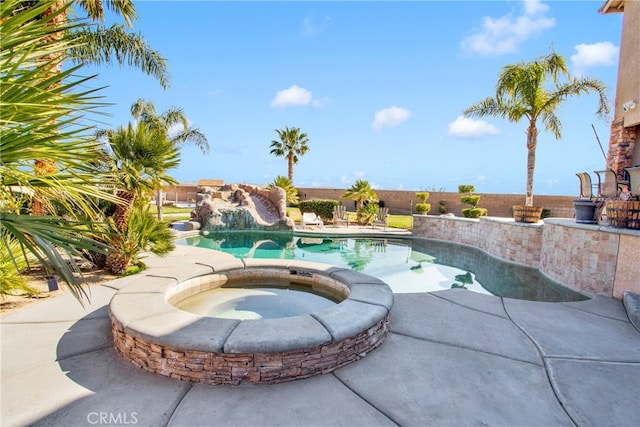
<point x="158" y="337"/>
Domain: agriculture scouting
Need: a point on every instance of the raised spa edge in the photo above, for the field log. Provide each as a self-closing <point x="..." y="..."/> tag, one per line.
<point x="154" y="335"/>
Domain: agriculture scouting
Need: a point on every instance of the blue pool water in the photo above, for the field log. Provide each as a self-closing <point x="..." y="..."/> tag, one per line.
<point x="406" y="265"/>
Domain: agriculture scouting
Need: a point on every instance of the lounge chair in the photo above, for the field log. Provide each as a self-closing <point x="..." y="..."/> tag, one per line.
<point x="381" y="217"/>
<point x="310" y="218"/>
<point x="340" y="216"/>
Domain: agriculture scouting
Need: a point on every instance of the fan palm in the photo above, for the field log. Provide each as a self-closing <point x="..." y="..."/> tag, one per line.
<point x="290" y="191"/>
<point x="522" y="92"/>
<point x="360" y="192"/>
<point x="292" y="144"/>
<point x="141" y="157"/>
<point x="44" y="116"/>
<point x="173" y="125"/>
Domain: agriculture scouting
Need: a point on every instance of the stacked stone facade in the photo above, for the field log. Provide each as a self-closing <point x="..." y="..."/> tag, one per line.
<point x="237" y="368"/>
<point x="621" y="146"/>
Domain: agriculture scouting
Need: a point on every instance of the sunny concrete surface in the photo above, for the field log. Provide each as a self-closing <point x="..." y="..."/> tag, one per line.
<point x="452" y="358"/>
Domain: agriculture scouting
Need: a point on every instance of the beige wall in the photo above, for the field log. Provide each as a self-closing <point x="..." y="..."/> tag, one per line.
<point x="403" y="202"/>
<point x="628" y="85"/>
<point x="595" y="259"/>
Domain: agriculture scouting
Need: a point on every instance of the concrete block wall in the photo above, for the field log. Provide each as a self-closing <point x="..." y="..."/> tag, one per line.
<point x="404" y="202"/>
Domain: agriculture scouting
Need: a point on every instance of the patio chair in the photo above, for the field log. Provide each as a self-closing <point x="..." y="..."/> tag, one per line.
<point x="607" y="186"/>
<point x="586" y="187"/>
<point x="381" y="217"/>
<point x="310" y="218"/>
<point x="634" y="180"/>
<point x="340" y="216"/>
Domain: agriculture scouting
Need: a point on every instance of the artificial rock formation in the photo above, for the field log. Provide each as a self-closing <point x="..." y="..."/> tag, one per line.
<point x="241" y="207"/>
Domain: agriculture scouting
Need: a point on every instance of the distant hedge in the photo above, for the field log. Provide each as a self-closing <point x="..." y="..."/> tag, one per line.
<point x="322" y="208"/>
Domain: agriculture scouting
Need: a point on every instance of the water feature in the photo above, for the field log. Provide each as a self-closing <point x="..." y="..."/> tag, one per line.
<point x="406" y="265"/>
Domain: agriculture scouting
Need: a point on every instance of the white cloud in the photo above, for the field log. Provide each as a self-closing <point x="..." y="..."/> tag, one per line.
<point x="310" y="27"/>
<point x="390" y="117"/>
<point x="503" y="35"/>
<point x="295" y="95"/>
<point x="593" y="55"/>
<point x="466" y="128"/>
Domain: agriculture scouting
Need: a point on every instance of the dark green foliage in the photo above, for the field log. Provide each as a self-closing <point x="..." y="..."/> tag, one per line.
<point x="423" y="208"/>
<point x="423" y="196"/>
<point x="442" y="207"/>
<point x="470" y="200"/>
<point x="466" y="188"/>
<point x="322" y="208"/>
<point x="474" y="212"/>
<point x="546" y="213"/>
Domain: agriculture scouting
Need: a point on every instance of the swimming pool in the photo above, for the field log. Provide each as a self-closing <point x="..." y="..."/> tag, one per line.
<point x="407" y="265"/>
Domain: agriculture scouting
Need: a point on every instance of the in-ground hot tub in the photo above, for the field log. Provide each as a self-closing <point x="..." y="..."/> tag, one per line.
<point x="150" y="331"/>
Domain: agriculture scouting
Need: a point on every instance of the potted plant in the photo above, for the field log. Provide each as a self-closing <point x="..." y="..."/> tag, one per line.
<point x="533" y="91"/>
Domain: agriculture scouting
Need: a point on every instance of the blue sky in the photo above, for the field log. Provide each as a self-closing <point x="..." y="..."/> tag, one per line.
<point x="379" y="87"/>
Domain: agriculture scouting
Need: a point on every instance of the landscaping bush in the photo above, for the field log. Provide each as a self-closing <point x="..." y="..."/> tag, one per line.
<point x="423" y="207"/>
<point x="322" y="208"/>
<point x="470" y="199"/>
<point x="442" y="207"/>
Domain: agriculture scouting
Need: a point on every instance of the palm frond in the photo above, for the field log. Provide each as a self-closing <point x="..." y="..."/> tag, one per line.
<point x="103" y="45"/>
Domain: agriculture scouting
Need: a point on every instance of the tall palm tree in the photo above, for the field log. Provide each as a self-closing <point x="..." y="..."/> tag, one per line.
<point x="96" y="45"/>
<point x="360" y="192"/>
<point x="523" y="90"/>
<point x="173" y="125"/>
<point x="46" y="116"/>
<point x="101" y="45"/>
<point x="292" y="144"/>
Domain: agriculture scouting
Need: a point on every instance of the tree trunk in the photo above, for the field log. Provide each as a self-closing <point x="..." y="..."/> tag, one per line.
<point x="532" y="139"/>
<point x="159" y="204"/>
<point x="46" y="166"/>
<point x="290" y="164"/>
<point x="121" y="215"/>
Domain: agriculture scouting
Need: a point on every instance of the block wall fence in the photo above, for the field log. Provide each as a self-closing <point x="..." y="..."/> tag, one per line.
<point x="596" y="259"/>
<point x="403" y="202"/>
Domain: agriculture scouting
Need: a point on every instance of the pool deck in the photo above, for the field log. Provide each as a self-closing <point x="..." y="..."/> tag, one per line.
<point x="451" y="358"/>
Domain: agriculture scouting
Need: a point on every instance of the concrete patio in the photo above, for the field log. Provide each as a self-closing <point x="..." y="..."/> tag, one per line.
<point x="452" y="358"/>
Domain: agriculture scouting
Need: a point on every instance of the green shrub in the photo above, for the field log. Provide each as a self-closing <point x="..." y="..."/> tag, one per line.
<point x="546" y="213"/>
<point x="466" y="188"/>
<point x="442" y="207"/>
<point x="472" y="212"/>
<point x="423" y="208"/>
<point x="470" y="200"/>
<point x="423" y="196"/>
<point x="322" y="208"/>
<point x="367" y="212"/>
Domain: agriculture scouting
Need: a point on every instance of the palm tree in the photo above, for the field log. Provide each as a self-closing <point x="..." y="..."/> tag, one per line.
<point x="291" y="191"/>
<point x="46" y="116"/>
<point x="94" y="45"/>
<point x="292" y="144"/>
<point x="360" y="192"/>
<point x="173" y="125"/>
<point x="100" y="45"/>
<point x="523" y="91"/>
<point x="141" y="156"/>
